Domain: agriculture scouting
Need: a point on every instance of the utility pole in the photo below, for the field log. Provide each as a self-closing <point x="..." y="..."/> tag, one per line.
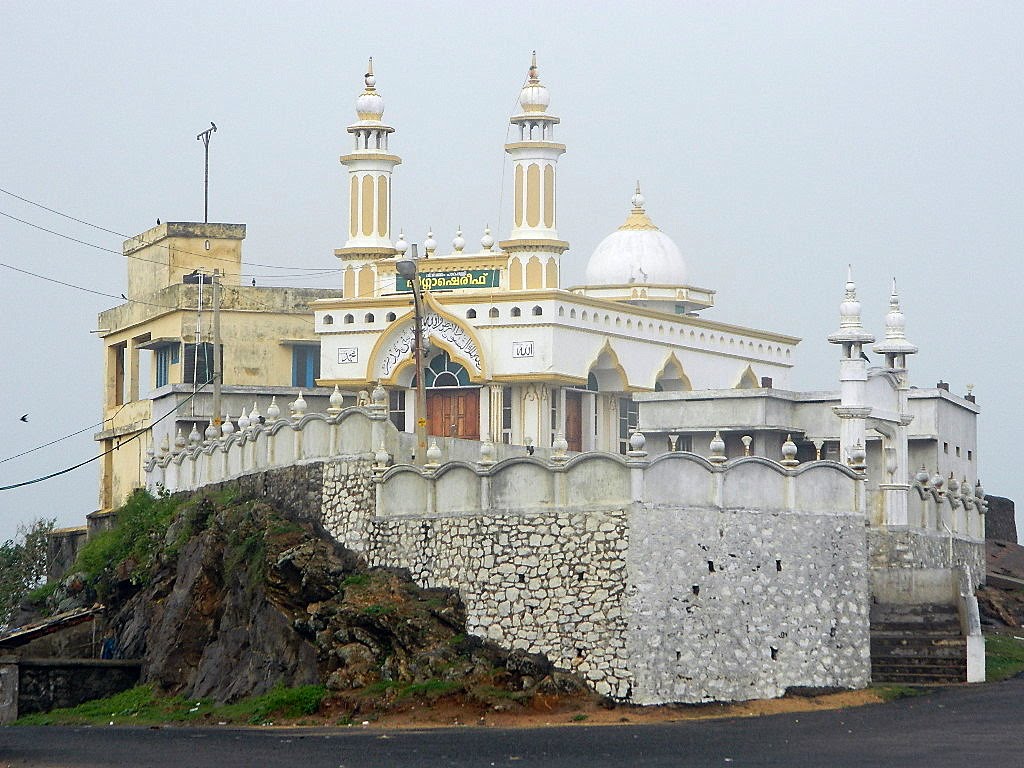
<point x="215" y="416"/>
<point x="205" y="138"/>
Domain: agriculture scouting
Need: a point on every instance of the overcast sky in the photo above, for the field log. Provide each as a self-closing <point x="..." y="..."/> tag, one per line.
<point x="775" y="142"/>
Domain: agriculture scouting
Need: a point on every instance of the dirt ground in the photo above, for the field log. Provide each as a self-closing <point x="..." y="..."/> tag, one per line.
<point x="552" y="711"/>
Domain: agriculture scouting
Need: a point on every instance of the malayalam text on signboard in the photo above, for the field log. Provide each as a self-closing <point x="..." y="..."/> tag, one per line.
<point x="452" y="279"/>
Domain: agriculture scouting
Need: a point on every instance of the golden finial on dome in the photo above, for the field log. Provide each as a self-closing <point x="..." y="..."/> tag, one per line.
<point x="532" y="72"/>
<point x="638" y="218"/>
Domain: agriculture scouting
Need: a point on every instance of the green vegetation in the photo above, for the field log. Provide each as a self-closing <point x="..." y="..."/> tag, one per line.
<point x="431" y="689"/>
<point x="1004" y="657"/>
<point x="379" y="610"/>
<point x="356" y="580"/>
<point x="23" y="566"/>
<point x="141" y="706"/>
<point x="895" y="691"/>
<point x="133" y="544"/>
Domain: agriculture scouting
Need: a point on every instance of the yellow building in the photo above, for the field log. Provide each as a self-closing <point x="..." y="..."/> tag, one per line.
<point x="158" y="346"/>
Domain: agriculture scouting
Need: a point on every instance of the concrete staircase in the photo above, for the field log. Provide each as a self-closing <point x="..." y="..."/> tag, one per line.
<point x="917" y="643"/>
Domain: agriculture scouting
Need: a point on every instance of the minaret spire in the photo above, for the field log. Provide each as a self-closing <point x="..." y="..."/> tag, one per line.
<point x="534" y="164"/>
<point x="369" y="168"/>
<point x="853" y="376"/>
<point x="896" y="347"/>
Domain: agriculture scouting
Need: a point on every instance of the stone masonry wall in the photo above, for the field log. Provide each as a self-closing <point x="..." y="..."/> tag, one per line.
<point x="349" y="503"/>
<point x="925" y="549"/>
<point x="650" y="602"/>
<point x="549" y="582"/>
<point x="737" y="604"/>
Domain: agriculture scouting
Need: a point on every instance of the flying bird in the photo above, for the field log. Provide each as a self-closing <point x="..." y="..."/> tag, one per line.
<point x="124" y="297"/>
<point x="24" y="417"/>
<point x="864" y="357"/>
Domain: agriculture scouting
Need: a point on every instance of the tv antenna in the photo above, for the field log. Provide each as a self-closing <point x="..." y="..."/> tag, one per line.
<point x="205" y="138"/>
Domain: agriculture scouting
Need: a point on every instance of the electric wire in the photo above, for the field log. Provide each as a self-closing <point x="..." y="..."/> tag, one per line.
<point x="210" y="257"/>
<point x="134" y="436"/>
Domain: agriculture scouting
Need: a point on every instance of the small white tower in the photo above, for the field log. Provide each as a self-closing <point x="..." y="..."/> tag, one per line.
<point x="369" y="168"/>
<point x="853" y="375"/>
<point x="896" y="348"/>
<point x="533" y="245"/>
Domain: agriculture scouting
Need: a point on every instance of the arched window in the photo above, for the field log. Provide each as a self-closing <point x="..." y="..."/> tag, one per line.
<point x="592" y="382"/>
<point x="368" y="318"/>
<point x="471" y="314"/>
<point x="572" y="314"/>
<point x="444" y="372"/>
<point x="561" y="311"/>
<point x="537" y="311"/>
<point x="584" y="315"/>
<point x="328" y="320"/>
<point x="390" y="317"/>
<point x="493" y="312"/>
<point x="516" y="312"/>
<point x="349" y="319"/>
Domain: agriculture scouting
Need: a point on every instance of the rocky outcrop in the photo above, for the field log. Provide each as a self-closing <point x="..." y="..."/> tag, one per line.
<point x="1000" y="522"/>
<point x="244" y="597"/>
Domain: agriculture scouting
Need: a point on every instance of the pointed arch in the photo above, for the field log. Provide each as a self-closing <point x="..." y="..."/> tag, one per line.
<point x="534" y="273"/>
<point x="393" y="352"/>
<point x="515" y="274"/>
<point x="365" y="281"/>
<point x="608" y="371"/>
<point x="748" y="380"/>
<point x="672" y="377"/>
<point x="551" y="277"/>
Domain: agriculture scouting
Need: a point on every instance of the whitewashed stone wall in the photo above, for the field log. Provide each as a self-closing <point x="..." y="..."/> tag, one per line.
<point x="733" y="604"/>
<point x="716" y="584"/>
<point x="546" y="583"/>
<point x="926" y="550"/>
<point x="348" y="501"/>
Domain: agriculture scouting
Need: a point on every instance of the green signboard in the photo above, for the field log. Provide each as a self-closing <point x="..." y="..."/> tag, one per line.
<point x="452" y="279"/>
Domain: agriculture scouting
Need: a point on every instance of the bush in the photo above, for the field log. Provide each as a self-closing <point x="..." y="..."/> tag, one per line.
<point x="139" y="532"/>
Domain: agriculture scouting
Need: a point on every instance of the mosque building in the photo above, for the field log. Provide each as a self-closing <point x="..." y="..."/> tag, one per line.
<point x="511" y="354"/>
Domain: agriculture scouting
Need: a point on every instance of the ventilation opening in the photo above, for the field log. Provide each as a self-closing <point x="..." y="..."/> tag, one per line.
<point x="778" y="566"/>
<point x="695" y="589"/>
<point x="711" y="566"/>
<point x="522" y="578"/>
<point x="775" y="652"/>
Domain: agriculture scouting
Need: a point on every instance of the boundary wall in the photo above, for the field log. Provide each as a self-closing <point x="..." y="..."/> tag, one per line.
<point x="678" y="579"/>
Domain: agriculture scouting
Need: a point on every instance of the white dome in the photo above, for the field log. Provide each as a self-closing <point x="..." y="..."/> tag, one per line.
<point x="369" y="104"/>
<point x="637" y="252"/>
<point x="534" y="96"/>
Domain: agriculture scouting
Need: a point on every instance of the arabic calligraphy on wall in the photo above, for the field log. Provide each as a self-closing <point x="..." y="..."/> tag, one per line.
<point x="434" y="327"/>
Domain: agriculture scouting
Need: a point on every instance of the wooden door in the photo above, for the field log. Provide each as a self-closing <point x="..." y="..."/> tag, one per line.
<point x="574" y="420"/>
<point x="458" y="408"/>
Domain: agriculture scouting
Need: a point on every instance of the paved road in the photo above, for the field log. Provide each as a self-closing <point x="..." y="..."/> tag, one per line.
<point x="963" y="726"/>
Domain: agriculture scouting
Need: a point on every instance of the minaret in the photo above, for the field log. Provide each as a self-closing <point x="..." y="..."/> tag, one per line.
<point x="369" y="169"/>
<point x="853" y="409"/>
<point x="896" y="348"/>
<point x="533" y="245"/>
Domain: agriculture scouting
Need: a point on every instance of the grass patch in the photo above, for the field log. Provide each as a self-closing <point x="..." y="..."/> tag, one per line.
<point x="379" y="610"/>
<point x="430" y="689"/>
<point x="356" y="580"/>
<point x="141" y="706"/>
<point x="40" y="595"/>
<point x="1004" y="657"/>
<point x="280" y="702"/>
<point x="139" y="533"/>
<point x="896" y="692"/>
